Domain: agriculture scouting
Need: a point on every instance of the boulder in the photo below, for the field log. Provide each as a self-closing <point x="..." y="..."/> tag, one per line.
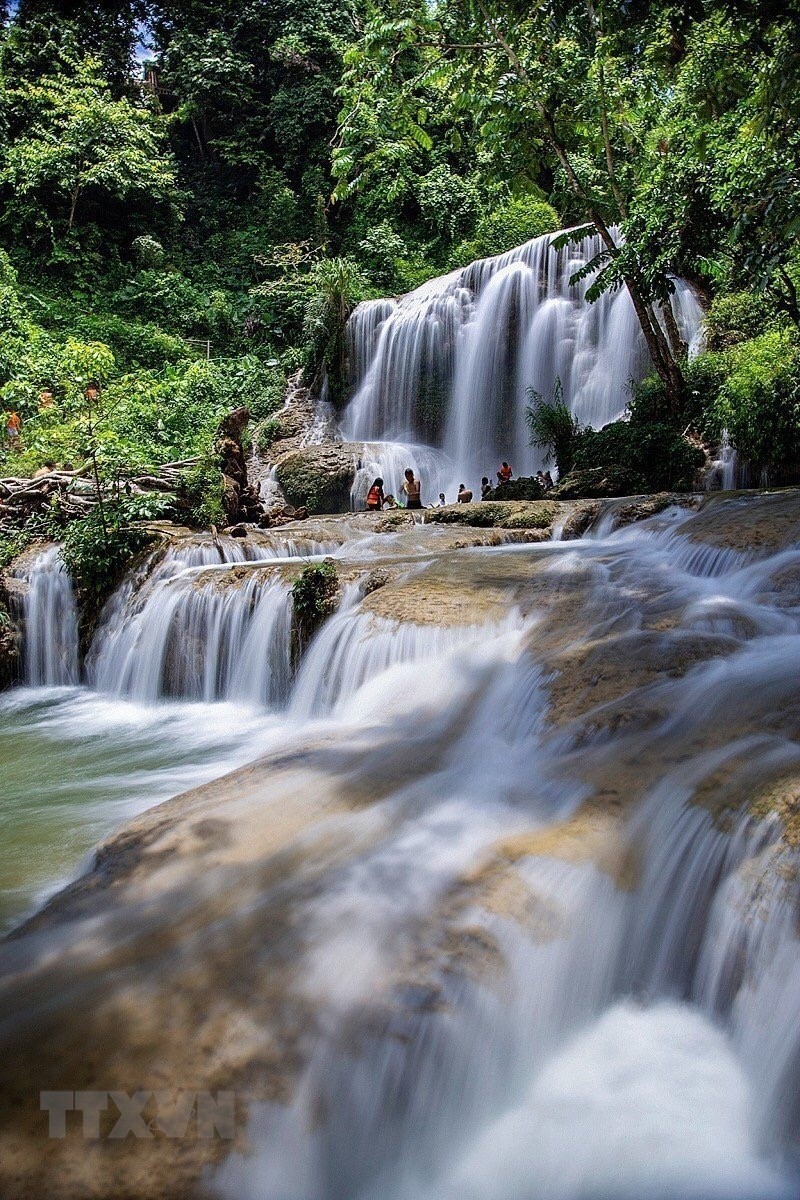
<point x="598" y="483"/>
<point x="486" y="514"/>
<point x="527" y="487"/>
<point x="319" y="478"/>
<point x="234" y="425"/>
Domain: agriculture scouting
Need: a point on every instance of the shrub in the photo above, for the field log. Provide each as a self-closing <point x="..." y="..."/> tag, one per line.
<point x="135" y="344"/>
<point x="759" y="401"/>
<point x="379" y="252"/>
<point x="148" y="251"/>
<point x="172" y="300"/>
<point x="513" y="223"/>
<point x="200" y="494"/>
<point x="654" y="450"/>
<point x="337" y="287"/>
<point x="314" y="596"/>
<point x="448" y="204"/>
<point x="553" y="428"/>
<point x="735" y="318"/>
<point x="96" y="556"/>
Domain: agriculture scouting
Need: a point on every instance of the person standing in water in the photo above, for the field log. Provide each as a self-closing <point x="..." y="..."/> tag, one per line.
<point x="411" y="489"/>
<point x="375" y="497"/>
<point x="486" y="487"/>
<point x="464" y="494"/>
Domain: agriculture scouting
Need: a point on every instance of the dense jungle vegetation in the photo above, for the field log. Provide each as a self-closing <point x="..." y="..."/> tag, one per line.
<point x="194" y="194"/>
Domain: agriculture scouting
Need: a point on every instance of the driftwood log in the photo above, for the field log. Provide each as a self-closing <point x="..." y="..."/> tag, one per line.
<point x="72" y="492"/>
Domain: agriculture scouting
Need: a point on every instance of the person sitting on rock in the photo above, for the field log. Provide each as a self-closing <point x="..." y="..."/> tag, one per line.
<point x="464" y="495"/>
<point x="505" y="473"/>
<point x="442" y="502"/>
<point x="486" y="488"/>
<point x="411" y="489"/>
<point x="548" y="480"/>
<point x="375" y="497"/>
<point x="390" y="502"/>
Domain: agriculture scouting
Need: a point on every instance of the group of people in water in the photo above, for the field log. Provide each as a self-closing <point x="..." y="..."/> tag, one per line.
<point x="411" y="490"/>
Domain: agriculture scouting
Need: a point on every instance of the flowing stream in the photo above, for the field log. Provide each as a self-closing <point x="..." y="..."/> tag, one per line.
<point x="507" y="909"/>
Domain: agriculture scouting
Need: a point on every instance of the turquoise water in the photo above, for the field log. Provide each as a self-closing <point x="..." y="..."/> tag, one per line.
<point x="76" y="764"/>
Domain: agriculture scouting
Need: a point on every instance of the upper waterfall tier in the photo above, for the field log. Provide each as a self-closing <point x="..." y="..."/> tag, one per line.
<point x="451" y="364"/>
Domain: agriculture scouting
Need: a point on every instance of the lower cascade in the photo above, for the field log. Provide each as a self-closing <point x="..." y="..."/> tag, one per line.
<point x="484" y="888"/>
<point x="50" y="619"/>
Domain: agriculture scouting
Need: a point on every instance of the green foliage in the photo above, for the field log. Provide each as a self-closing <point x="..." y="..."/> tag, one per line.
<point x="147" y="252"/>
<point x="553" y="428"/>
<point x="759" y="400"/>
<point x="173" y="301"/>
<point x="518" y="220"/>
<point x="449" y="205"/>
<point x="735" y="317"/>
<point x="97" y="555"/>
<point x="337" y="286"/>
<point x="200" y="494"/>
<point x="654" y="450"/>
<point x="314" y="595"/>
<point x="75" y="150"/>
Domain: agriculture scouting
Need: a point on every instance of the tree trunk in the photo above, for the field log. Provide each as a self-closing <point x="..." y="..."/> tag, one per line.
<point x="76" y="191"/>
<point x="665" y="360"/>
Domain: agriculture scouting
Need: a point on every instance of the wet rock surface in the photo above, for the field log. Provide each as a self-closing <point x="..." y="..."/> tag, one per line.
<point x="211" y="945"/>
<point x="318" y="477"/>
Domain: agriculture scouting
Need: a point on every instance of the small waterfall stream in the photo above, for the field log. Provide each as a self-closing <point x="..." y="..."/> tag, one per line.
<point x="50" y="622"/>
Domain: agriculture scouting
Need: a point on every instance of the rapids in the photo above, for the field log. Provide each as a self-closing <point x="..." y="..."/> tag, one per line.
<point x="507" y="906"/>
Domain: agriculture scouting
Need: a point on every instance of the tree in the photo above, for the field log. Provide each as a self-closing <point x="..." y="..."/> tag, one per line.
<point x="587" y="87"/>
<point x="85" y="368"/>
<point x="76" y="150"/>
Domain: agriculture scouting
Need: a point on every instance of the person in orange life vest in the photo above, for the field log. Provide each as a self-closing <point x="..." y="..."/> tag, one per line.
<point x="505" y="473"/>
<point x="13" y="426"/>
<point x="375" y="497"/>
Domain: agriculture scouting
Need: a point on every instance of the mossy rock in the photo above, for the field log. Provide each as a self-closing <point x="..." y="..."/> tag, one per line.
<point x="503" y="514"/>
<point x="527" y="487"/>
<point x="319" y="478"/>
<point x="599" y="483"/>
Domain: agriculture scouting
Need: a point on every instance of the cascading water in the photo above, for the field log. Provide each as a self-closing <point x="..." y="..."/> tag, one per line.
<point x="724" y="472"/>
<point x="178" y="634"/>
<point x="509" y="909"/>
<point x="50" y="623"/>
<point x="450" y="365"/>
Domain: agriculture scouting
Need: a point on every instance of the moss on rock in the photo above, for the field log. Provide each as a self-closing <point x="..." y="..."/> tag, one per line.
<point x="597" y="483"/>
<point x="487" y="514"/>
<point x="319" y="478"/>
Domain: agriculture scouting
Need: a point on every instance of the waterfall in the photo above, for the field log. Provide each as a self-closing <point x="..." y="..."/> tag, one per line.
<point x="725" y="470"/>
<point x="451" y="364"/>
<point x="355" y="648"/>
<point x="504" y="908"/>
<point x="174" y="634"/>
<point x="50" y="623"/>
